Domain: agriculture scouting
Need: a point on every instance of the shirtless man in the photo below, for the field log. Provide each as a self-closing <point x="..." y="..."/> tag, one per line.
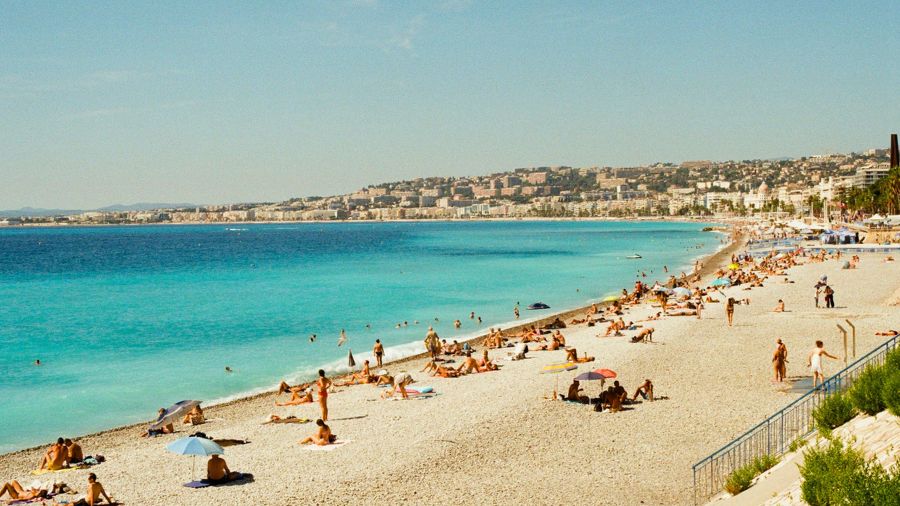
<point x="297" y="398"/>
<point x="559" y="337"/>
<point x="573" y="394"/>
<point x="645" y="390"/>
<point x="486" y="363"/>
<point x="378" y="350"/>
<point x="194" y="417"/>
<point x="56" y="456"/>
<point x="95" y="493"/>
<point x="322" y="436"/>
<point x="469" y="365"/>
<point x="75" y="454"/>
<point x="284" y="388"/>
<point x="217" y="471"/>
<point x="360" y="378"/>
<point x="439" y="370"/>
<point x="779" y="308"/>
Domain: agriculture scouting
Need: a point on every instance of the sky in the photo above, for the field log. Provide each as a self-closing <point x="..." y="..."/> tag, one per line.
<point x="219" y="102"/>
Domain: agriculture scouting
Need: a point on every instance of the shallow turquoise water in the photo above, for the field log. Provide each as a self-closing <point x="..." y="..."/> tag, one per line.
<point x="128" y="319"/>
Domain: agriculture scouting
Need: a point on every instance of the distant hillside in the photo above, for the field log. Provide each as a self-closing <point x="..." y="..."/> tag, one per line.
<point x="141" y="206"/>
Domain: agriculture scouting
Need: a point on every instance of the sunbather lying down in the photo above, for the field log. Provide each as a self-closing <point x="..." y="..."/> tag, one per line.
<point x="439" y="370"/>
<point x="297" y="398"/>
<point x="572" y="356"/>
<point x="19" y="493"/>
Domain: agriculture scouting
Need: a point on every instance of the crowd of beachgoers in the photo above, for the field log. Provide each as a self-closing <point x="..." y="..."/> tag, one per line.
<point x="685" y="296"/>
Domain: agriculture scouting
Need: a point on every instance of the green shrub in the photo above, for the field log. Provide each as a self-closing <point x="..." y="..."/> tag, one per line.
<point x="797" y="444"/>
<point x="833" y="412"/>
<point x="866" y="391"/>
<point x="765" y="462"/>
<point x="838" y="474"/>
<point x="740" y="479"/>
<point x="892" y="361"/>
<point x="890" y="394"/>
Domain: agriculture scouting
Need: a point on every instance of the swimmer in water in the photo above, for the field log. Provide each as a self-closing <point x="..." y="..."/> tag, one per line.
<point x="37" y="362"/>
<point x="312" y="338"/>
<point x="228" y="369"/>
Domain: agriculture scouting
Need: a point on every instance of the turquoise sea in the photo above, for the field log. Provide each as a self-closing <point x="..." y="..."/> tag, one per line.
<point x="129" y="319"/>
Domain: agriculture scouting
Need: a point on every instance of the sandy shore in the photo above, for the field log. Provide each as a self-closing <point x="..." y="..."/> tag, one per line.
<point x="493" y="438"/>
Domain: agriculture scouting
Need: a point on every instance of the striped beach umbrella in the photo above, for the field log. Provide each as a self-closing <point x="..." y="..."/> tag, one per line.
<point x="557" y="368"/>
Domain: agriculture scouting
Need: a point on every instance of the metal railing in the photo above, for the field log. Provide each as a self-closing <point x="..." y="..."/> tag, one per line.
<point x="775" y="434"/>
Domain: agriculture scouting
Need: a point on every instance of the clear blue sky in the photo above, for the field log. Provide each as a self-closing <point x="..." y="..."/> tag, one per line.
<point x="207" y="102"/>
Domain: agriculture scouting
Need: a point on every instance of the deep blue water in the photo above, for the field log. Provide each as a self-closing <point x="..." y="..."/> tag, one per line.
<point x="128" y="319"/>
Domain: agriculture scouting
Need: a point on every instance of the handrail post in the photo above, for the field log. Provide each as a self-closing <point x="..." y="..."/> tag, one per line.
<point x="853" y="331"/>
<point x="845" y="341"/>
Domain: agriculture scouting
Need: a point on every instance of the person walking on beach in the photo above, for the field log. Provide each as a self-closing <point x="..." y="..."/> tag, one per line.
<point x="324" y="384"/>
<point x="779" y="361"/>
<point x="432" y="343"/>
<point x="729" y="310"/>
<point x="815" y="363"/>
<point x="378" y="350"/>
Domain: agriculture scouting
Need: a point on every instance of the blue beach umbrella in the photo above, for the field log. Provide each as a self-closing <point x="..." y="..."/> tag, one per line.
<point x="194" y="446"/>
<point x="681" y="291"/>
<point x="721" y="282"/>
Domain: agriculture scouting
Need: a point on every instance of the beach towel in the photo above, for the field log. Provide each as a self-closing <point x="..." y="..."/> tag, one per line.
<point x="38" y="472"/>
<point x="32" y="501"/>
<point x="288" y="420"/>
<point x="206" y="483"/>
<point x="327" y="448"/>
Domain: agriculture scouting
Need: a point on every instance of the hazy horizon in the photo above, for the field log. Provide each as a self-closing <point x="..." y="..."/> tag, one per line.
<point x="221" y="103"/>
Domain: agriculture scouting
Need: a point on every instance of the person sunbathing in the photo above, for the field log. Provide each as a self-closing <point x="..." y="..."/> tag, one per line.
<point x="486" y="363"/>
<point x="94" y="493"/>
<point x="362" y="377"/>
<point x="284" y="388"/>
<point x="779" y="308"/>
<point x="439" y="370"/>
<point x="645" y="335"/>
<point x="559" y="337"/>
<point x="572" y="356"/>
<point x="384" y="379"/>
<point x="645" y="391"/>
<point x="573" y="394"/>
<point x="56" y="456"/>
<point x="469" y="365"/>
<point x="73" y="449"/>
<point x="888" y="333"/>
<point x="194" y="417"/>
<point x="297" y="398"/>
<point x="322" y="437"/>
<point x="18" y="493"/>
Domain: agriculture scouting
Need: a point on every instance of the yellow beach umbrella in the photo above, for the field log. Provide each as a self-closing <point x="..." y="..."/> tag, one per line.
<point x="734" y="267"/>
<point x="610" y="298"/>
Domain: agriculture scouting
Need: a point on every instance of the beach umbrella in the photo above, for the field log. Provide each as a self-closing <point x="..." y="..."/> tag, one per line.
<point x="194" y="446"/>
<point x="662" y="289"/>
<point x="590" y="376"/>
<point x="606" y="373"/>
<point x="350" y="361"/>
<point x="558" y="368"/>
<point x="610" y="298"/>
<point x="681" y="291"/>
<point x="734" y="267"/>
<point x="174" y="413"/>
<point x="721" y="282"/>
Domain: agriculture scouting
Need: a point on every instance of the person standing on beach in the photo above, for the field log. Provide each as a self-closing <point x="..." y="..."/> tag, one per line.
<point x="829" y="297"/>
<point x="729" y="310"/>
<point x="324" y="384"/>
<point x="779" y="361"/>
<point x="378" y="350"/>
<point x="815" y="363"/>
<point x="432" y="343"/>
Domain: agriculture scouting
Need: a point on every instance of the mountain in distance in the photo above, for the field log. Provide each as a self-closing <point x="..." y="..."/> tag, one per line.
<point x="38" y="212"/>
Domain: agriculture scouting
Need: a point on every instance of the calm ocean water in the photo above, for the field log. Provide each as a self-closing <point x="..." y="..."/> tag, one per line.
<point x="129" y="319"/>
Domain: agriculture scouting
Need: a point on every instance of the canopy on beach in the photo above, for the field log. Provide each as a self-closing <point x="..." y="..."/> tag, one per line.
<point x="557" y="368"/>
<point x="721" y="282"/>
<point x="734" y="267"/>
<point x="681" y="291"/>
<point x="174" y="413"/>
<point x="194" y="446"/>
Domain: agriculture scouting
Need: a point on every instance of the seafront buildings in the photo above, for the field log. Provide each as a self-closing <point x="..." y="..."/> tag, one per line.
<point x="732" y="188"/>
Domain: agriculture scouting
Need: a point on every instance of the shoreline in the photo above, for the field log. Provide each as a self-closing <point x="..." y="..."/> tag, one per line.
<point x="710" y="263"/>
<point x="660" y="219"/>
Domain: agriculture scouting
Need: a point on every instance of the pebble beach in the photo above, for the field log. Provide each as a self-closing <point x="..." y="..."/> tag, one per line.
<point x="497" y="437"/>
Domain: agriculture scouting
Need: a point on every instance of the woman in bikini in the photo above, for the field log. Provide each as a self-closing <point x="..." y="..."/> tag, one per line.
<point x="324" y="384"/>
